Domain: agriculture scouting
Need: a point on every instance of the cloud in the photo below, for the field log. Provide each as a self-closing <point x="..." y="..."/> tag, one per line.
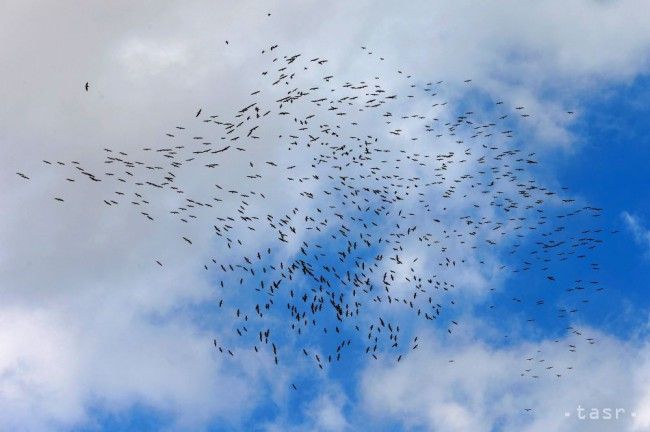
<point x="325" y="412"/>
<point x="640" y="233"/>
<point x="54" y="367"/>
<point x="483" y="388"/>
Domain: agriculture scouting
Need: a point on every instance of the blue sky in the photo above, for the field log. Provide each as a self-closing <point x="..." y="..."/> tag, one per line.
<point x="610" y="168"/>
<point x="95" y="336"/>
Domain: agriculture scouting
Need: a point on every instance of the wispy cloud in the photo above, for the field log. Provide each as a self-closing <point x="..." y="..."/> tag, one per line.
<point x="639" y="231"/>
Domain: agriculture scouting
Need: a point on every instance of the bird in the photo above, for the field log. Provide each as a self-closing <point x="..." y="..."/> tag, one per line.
<point x="86" y="86"/>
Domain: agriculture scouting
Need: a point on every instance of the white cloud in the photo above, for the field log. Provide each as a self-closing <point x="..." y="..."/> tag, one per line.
<point x="327" y="412"/>
<point x="483" y="390"/>
<point x="60" y="367"/>
<point x="641" y="233"/>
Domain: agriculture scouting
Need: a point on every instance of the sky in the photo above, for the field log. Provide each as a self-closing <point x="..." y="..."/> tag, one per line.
<point x="96" y="336"/>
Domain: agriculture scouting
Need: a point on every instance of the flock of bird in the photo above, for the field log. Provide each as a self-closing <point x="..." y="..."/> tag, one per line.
<point x="382" y="208"/>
